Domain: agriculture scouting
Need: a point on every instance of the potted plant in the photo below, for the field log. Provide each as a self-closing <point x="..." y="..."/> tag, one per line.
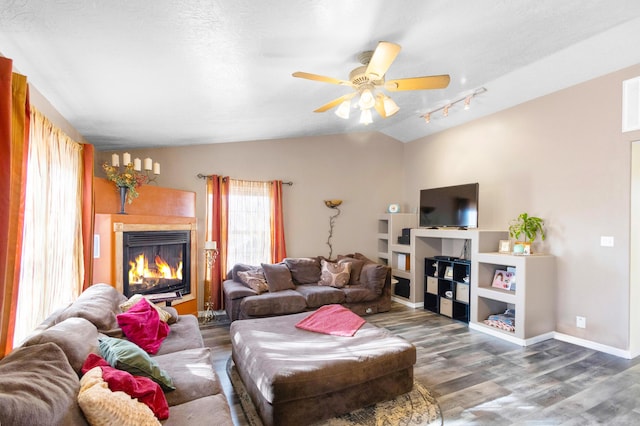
<point x="529" y="227"/>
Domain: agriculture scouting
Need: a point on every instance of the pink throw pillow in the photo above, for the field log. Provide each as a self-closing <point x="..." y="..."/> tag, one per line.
<point x="144" y="389"/>
<point x="141" y="324"/>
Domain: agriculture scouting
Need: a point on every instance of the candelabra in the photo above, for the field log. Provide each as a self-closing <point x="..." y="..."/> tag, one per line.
<point x="210" y="252"/>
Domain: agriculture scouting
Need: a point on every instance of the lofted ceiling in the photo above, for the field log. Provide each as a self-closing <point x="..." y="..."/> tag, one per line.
<point x="150" y="73"/>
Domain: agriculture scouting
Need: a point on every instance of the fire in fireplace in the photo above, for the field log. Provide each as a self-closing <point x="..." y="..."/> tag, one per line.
<point x="154" y="262"/>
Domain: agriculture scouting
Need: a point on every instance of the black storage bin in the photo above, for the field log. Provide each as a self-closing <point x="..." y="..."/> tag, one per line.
<point x="403" y="287"/>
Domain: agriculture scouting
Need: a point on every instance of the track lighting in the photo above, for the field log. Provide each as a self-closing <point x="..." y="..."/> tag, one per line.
<point x="344" y="109"/>
<point x="447" y="108"/>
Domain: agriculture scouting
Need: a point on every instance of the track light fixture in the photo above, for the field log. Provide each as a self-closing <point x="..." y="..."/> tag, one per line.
<point x="447" y="108"/>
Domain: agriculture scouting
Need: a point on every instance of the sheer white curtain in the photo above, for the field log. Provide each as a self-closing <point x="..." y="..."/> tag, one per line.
<point x="52" y="260"/>
<point x="249" y="230"/>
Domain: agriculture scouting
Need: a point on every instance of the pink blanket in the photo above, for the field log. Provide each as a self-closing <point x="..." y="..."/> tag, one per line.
<point x="332" y="319"/>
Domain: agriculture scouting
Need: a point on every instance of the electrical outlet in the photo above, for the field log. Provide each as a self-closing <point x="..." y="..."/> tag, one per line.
<point x="581" y="322"/>
<point x="606" y="241"/>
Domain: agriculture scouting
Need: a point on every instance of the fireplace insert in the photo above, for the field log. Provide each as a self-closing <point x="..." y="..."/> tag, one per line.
<point x="156" y="262"/>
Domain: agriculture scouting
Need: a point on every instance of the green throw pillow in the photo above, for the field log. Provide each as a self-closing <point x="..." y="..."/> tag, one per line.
<point x="127" y="356"/>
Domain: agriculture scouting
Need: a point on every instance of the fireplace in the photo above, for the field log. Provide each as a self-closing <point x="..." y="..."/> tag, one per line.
<point x="156" y="262"/>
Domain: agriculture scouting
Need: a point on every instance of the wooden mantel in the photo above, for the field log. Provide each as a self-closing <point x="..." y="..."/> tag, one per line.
<point x="156" y="208"/>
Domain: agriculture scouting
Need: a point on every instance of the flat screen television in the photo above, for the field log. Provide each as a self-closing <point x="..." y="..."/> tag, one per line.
<point x="450" y="206"/>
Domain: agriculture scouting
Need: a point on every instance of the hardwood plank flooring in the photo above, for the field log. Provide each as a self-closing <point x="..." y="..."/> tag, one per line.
<point x="481" y="380"/>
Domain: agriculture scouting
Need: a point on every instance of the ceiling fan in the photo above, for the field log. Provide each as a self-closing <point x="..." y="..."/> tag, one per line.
<point x="368" y="81"/>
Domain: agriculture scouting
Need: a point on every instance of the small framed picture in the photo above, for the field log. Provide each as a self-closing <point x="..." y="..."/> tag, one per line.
<point x="448" y="272"/>
<point x="499" y="279"/>
<point x="504" y="246"/>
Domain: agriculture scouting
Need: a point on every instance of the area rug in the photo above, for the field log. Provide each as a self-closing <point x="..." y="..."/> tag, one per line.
<point x="417" y="407"/>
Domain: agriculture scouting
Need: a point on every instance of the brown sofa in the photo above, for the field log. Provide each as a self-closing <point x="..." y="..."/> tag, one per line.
<point x="300" y="284"/>
<point x="40" y="381"/>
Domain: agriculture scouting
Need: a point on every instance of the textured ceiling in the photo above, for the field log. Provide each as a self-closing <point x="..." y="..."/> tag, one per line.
<point x="150" y="73"/>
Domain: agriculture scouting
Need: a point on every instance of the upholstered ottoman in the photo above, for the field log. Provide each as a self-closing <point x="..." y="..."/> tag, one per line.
<point x="297" y="377"/>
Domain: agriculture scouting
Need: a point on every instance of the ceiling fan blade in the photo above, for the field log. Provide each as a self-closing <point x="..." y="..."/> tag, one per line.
<point x="320" y="78"/>
<point x="381" y="59"/>
<point x="379" y="106"/>
<point x="335" y="102"/>
<point x="418" y="83"/>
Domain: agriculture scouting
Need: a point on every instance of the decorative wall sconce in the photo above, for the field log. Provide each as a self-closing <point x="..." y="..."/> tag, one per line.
<point x="210" y="252"/>
<point x="332" y="204"/>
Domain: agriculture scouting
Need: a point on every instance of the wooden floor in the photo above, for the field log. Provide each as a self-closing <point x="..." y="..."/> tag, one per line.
<point x="482" y="380"/>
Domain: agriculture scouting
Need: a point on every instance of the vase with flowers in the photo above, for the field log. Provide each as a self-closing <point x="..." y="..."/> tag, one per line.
<point x="127" y="181"/>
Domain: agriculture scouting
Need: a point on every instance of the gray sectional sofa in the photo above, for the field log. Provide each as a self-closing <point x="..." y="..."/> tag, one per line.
<point x="302" y="284"/>
<point x="40" y="381"/>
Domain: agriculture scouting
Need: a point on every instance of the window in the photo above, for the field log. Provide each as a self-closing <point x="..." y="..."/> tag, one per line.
<point x="249" y="233"/>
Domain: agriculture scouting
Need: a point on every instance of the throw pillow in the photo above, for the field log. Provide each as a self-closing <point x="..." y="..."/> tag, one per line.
<point x="128" y="356"/>
<point x="334" y="274"/>
<point x="144" y="389"/>
<point x="304" y="270"/>
<point x="141" y="324"/>
<point x="278" y="277"/>
<point x="101" y="406"/>
<point x="124" y="307"/>
<point x="356" y="268"/>
<point x="255" y="280"/>
<point x="374" y="276"/>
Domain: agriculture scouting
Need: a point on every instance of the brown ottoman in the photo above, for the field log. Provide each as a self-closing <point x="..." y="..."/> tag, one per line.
<point x="297" y="377"/>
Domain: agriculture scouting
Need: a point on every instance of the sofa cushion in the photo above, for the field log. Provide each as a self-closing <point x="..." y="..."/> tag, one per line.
<point x="206" y="411"/>
<point x="124" y="307"/>
<point x="278" y="303"/>
<point x="192" y="373"/>
<point x="98" y="304"/>
<point x="374" y="276"/>
<point x="184" y="334"/>
<point x="335" y="274"/>
<point x="142" y="325"/>
<point x="319" y="295"/>
<point x="255" y="280"/>
<point x="77" y="338"/>
<point x="38" y="387"/>
<point x="143" y="389"/>
<point x="356" y="268"/>
<point x="304" y="270"/>
<point x="278" y="277"/>
<point x="99" y="403"/>
<point x="128" y="356"/>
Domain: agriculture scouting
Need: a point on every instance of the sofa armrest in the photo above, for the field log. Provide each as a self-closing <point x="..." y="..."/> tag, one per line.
<point x="235" y="290"/>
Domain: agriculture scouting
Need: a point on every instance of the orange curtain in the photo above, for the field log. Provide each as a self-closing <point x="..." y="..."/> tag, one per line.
<point x="14" y="144"/>
<point x="278" y="247"/>
<point x="87" y="213"/>
<point x="216" y="228"/>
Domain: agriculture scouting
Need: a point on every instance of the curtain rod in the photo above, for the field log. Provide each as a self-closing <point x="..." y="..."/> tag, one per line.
<point x="201" y="176"/>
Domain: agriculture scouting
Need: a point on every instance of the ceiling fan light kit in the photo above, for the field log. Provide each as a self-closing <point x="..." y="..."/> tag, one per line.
<point x="368" y="81"/>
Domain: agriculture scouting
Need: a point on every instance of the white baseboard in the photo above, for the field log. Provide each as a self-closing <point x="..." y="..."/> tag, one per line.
<point x="405" y="302"/>
<point x="594" y="345"/>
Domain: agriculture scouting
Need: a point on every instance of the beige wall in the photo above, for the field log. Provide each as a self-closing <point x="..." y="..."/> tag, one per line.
<point x="362" y="169"/>
<point x="564" y="158"/>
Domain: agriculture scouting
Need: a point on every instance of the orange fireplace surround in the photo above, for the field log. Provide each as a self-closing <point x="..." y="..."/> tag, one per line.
<point x="155" y="209"/>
